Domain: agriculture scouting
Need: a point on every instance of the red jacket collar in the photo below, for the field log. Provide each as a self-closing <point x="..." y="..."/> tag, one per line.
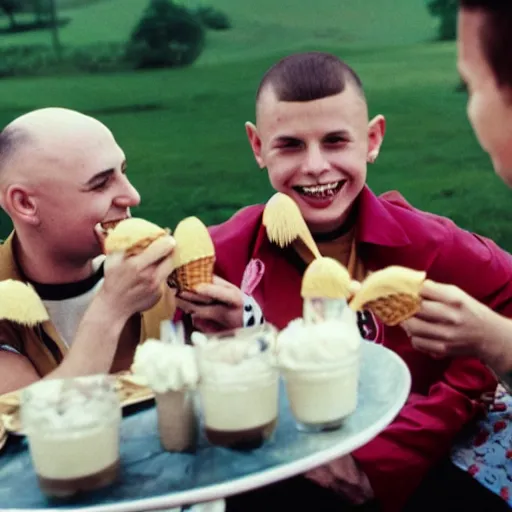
<point x="375" y="224"/>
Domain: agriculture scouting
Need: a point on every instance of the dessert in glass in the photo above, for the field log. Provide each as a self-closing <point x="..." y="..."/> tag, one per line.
<point x="72" y="426"/>
<point x="239" y="386"/>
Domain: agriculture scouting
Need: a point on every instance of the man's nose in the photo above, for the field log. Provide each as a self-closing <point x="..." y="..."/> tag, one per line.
<point x="315" y="160"/>
<point x="128" y="195"/>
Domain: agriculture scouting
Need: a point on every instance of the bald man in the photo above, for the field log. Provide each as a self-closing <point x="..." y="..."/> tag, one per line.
<point x="62" y="175"/>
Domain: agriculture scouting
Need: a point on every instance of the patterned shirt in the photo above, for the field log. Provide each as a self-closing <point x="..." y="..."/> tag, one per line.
<point x="487" y="453"/>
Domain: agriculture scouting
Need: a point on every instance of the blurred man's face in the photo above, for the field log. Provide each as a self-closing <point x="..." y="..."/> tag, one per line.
<point x="316" y="152"/>
<point x="489" y="106"/>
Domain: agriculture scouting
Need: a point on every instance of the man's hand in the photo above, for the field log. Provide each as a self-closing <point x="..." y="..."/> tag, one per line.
<point x="215" y="307"/>
<point x="452" y="323"/>
<point x="134" y="284"/>
<point x="343" y="476"/>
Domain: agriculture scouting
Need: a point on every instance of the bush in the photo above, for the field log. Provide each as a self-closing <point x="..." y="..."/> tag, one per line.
<point x="213" y="18"/>
<point x="32" y="60"/>
<point x="446" y="11"/>
<point x="168" y="35"/>
<point x="26" y="60"/>
<point x="98" y="58"/>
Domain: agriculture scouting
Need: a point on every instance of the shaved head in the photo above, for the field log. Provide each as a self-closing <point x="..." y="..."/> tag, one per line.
<point x="51" y="137"/>
<point x="61" y="174"/>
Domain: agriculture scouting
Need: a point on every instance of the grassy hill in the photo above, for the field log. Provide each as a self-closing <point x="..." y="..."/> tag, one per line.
<point x="284" y="25"/>
<point x="182" y="130"/>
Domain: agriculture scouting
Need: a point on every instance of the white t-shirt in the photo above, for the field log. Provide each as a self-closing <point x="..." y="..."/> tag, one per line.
<point x="67" y="303"/>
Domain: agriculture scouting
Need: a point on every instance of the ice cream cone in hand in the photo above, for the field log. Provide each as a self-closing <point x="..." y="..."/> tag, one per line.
<point x="194" y="256"/>
<point x="131" y="236"/>
<point x="392" y="294"/>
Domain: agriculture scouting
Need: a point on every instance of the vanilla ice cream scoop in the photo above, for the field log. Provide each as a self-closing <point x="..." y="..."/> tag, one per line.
<point x="166" y="366"/>
<point x="307" y="346"/>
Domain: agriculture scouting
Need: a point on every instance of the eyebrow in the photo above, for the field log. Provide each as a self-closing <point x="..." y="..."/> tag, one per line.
<point x="101" y="176"/>
<point x="98" y="178"/>
<point x="283" y="139"/>
<point x="345" y="134"/>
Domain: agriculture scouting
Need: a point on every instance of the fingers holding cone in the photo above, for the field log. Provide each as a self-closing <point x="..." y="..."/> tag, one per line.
<point x="193" y="257"/>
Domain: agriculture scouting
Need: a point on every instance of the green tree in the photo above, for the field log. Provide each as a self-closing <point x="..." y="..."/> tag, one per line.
<point x="167" y="35"/>
<point x="446" y="11"/>
<point x="45" y="14"/>
<point x="213" y="18"/>
<point x="10" y="8"/>
<point x="54" y="27"/>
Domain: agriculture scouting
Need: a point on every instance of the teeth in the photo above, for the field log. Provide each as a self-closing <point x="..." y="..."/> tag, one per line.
<point x="321" y="190"/>
<point x="107" y="226"/>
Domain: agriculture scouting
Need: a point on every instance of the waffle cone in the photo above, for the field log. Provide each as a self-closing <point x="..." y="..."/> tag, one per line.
<point x="388" y="281"/>
<point x="132" y="236"/>
<point x="189" y="276"/>
<point x="396" y="308"/>
<point x="138" y="247"/>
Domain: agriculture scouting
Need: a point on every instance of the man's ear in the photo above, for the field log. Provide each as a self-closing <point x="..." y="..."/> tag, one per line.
<point x="376" y="132"/>
<point x="20" y="204"/>
<point x="255" y="142"/>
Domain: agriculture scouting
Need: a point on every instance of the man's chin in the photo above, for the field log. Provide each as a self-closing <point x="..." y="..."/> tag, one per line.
<point x="325" y="223"/>
<point x="503" y="171"/>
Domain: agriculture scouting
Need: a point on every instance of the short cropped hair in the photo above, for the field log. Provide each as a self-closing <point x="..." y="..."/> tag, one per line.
<point x="309" y="76"/>
<point x="496" y="36"/>
<point x="8" y="142"/>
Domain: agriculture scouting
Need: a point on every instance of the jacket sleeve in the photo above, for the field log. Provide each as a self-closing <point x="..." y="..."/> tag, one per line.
<point x="397" y="460"/>
<point x="423" y="432"/>
<point x="234" y="242"/>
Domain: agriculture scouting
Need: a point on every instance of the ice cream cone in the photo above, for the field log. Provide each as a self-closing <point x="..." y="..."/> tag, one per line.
<point x="20" y="303"/>
<point x="392" y="294"/>
<point x="194" y="256"/>
<point x="132" y="236"/>
<point x="194" y="273"/>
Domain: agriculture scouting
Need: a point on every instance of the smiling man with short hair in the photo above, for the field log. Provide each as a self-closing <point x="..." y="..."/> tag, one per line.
<point x="314" y="136"/>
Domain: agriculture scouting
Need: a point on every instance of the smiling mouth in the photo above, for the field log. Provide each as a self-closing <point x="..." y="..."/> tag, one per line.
<point x="320" y="191"/>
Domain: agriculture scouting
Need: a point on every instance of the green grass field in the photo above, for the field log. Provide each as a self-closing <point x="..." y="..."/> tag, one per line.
<point x="285" y="25"/>
<point x="182" y="130"/>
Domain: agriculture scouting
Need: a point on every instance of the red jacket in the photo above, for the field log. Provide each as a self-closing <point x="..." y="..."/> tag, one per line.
<point x="445" y="393"/>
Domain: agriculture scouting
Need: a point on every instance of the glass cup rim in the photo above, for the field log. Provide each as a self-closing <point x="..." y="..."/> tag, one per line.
<point x="61" y="396"/>
<point x="38" y="386"/>
<point x="316" y="372"/>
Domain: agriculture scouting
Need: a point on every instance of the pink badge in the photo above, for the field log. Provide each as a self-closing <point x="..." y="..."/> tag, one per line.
<point x="253" y="274"/>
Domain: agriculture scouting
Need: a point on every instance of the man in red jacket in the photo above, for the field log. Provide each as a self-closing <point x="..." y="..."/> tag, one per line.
<point x="314" y="136"/>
